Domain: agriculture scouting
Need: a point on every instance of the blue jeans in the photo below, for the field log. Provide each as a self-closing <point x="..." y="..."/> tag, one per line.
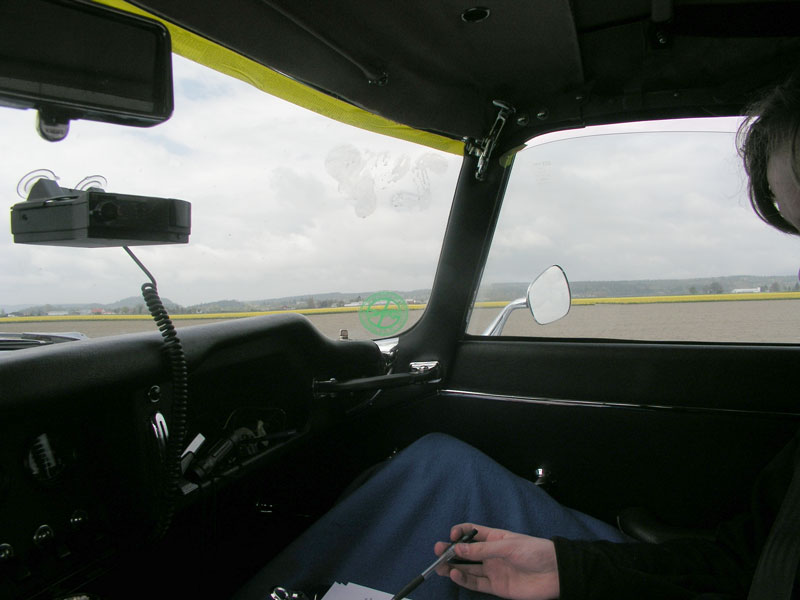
<point x="382" y="534"/>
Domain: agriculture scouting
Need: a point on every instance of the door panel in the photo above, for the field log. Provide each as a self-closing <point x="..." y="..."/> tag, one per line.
<point x="681" y="429"/>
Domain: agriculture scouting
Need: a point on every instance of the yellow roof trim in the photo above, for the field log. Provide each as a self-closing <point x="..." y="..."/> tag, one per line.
<point x="205" y="52"/>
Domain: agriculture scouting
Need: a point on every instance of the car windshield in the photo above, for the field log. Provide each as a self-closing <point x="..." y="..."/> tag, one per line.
<point x="290" y="211"/>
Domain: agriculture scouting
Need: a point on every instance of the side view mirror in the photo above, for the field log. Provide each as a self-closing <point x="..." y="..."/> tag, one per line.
<point x="548" y="298"/>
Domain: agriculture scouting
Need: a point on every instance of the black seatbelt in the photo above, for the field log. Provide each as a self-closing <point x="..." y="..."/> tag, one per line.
<point x="777" y="566"/>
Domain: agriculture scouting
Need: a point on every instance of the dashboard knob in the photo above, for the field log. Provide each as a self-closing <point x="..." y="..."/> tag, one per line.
<point x="78" y="519"/>
<point x="154" y="394"/>
<point x="6" y="552"/>
<point x="44" y="535"/>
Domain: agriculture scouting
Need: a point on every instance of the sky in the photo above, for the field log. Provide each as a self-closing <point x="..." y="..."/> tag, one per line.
<point x="285" y="202"/>
<point x="643" y="204"/>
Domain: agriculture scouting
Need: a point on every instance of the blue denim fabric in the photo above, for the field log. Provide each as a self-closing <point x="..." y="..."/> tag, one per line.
<point x="382" y="534"/>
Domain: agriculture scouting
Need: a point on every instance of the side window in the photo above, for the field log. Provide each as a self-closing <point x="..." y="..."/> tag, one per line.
<point x="652" y="225"/>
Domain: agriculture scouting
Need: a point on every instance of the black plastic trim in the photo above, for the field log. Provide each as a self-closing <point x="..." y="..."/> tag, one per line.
<point x="707" y="376"/>
<point x="451" y="393"/>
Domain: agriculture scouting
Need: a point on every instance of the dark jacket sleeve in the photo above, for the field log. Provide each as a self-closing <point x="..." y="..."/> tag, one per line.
<point x="685" y="568"/>
<point x="675" y="570"/>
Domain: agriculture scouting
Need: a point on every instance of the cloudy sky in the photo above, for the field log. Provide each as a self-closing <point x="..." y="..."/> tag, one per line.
<point x="643" y="204"/>
<point x="285" y="202"/>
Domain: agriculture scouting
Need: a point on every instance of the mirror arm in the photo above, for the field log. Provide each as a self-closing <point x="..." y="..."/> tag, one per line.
<point x="496" y="327"/>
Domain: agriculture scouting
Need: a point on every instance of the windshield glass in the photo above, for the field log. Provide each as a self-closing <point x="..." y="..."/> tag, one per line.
<point x="653" y="226"/>
<point x="290" y="211"/>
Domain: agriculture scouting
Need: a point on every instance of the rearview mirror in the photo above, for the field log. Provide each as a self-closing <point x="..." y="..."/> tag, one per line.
<point x="78" y="60"/>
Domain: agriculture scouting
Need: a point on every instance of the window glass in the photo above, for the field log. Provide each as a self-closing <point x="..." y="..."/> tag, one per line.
<point x="652" y="225"/>
<point x="290" y="211"/>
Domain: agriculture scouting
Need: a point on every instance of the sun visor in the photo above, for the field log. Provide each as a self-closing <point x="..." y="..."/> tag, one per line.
<point x="224" y="60"/>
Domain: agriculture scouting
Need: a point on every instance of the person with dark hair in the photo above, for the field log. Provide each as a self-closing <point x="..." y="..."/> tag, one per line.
<point x="769" y="145"/>
<point x="536" y="548"/>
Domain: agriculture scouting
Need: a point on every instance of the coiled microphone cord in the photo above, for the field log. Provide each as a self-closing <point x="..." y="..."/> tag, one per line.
<point x="180" y="397"/>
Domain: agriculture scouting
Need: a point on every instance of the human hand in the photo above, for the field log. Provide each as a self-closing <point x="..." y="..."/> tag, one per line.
<point x="514" y="566"/>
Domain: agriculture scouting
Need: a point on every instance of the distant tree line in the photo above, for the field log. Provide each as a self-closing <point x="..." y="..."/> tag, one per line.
<point x="715" y="287"/>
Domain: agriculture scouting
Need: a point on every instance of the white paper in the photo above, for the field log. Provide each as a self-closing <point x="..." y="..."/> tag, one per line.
<point x="353" y="591"/>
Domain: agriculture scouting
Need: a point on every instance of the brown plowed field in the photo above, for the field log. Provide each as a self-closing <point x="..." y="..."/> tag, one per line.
<point x="740" y="321"/>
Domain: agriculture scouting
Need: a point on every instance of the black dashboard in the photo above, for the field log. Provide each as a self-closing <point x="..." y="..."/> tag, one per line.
<point x="83" y="427"/>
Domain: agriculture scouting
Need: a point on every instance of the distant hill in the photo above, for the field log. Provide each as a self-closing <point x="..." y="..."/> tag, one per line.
<point x="324" y="300"/>
<point x="130" y="305"/>
<point x="651" y="287"/>
<point x="493" y="292"/>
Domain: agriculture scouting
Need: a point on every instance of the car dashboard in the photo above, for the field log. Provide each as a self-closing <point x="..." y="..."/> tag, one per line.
<point x="83" y="430"/>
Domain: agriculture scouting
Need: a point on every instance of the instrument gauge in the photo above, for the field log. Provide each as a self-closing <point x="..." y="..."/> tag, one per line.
<point x="47" y="458"/>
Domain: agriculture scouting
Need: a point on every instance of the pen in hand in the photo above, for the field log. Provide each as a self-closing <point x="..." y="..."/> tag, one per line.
<point x="445" y="556"/>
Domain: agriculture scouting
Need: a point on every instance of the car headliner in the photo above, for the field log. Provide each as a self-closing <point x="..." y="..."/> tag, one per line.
<point x="437" y="69"/>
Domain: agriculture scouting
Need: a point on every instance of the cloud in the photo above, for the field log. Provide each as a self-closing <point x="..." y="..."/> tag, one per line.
<point x="641" y="205"/>
<point x="286" y="202"/>
<point x="268" y="220"/>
